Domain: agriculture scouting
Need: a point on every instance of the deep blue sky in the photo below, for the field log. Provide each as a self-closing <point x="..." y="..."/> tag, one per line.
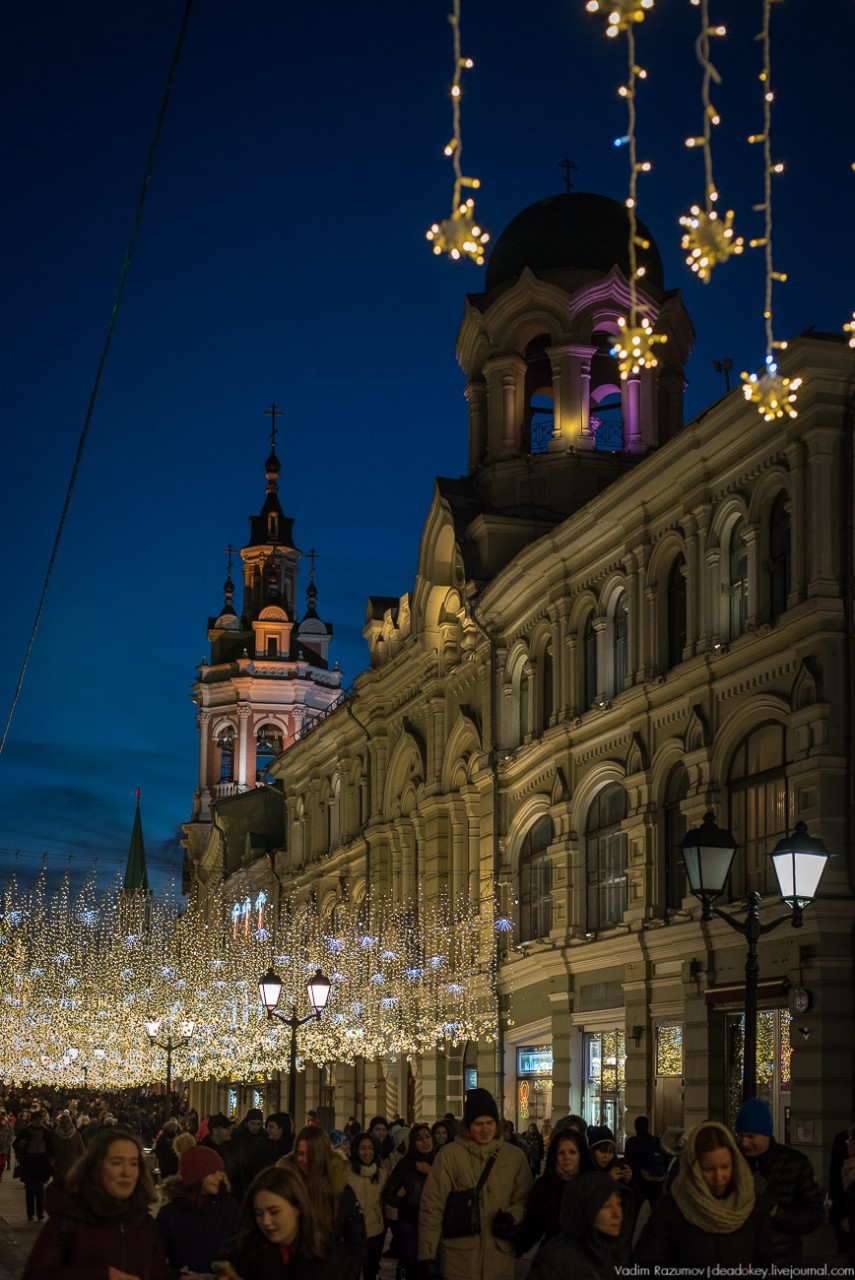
<point x="282" y="256"/>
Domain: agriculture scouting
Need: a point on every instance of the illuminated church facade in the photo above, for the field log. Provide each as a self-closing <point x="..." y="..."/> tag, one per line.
<point x="619" y="622"/>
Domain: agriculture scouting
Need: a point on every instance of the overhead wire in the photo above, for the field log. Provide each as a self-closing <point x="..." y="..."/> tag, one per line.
<point x="81" y="444"/>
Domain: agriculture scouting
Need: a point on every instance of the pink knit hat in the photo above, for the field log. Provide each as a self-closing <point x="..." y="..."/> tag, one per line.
<point x="197" y="1163"/>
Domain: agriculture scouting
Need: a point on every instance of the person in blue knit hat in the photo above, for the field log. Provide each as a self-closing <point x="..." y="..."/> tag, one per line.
<point x="784" y="1178"/>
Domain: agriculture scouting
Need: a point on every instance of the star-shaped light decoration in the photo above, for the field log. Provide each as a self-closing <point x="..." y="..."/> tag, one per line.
<point x="709" y="239"/>
<point x="620" y="13"/>
<point x="774" y="395"/>
<point x="850" y="326"/>
<point x="459" y="235"/>
<point x="634" y="347"/>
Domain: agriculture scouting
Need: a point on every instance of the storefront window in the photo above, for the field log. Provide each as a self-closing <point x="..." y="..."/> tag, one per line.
<point x="534" y="1084"/>
<point x="774" y="1049"/>
<point x="669" y="1051"/>
<point x="605" y="1061"/>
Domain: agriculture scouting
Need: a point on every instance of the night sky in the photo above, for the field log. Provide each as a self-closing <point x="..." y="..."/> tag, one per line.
<point x="281" y="256"/>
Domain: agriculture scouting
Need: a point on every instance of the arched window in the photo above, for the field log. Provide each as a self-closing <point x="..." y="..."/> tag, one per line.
<point x="547" y="687"/>
<point x="605" y="859"/>
<point x="738" y="580"/>
<point x="525" y="689"/>
<point x="676" y="883"/>
<point x="780" y="559"/>
<point x="606" y="420"/>
<point x="536" y="881"/>
<point x="620" y="640"/>
<point x="226" y="744"/>
<point x="268" y="745"/>
<point x="759" y="806"/>
<point x="591" y="674"/>
<point x="272" y="525"/>
<point x="676" y="607"/>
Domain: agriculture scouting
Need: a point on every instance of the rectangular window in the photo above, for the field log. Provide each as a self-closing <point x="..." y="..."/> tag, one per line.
<point x="669" y="1051"/>
<point x="605" y="1062"/>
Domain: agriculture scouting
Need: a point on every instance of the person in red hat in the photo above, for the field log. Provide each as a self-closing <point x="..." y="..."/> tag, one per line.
<point x="198" y="1222"/>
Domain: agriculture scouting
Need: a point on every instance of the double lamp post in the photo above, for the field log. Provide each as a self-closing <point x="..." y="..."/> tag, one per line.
<point x="169" y="1045"/>
<point x="270" y="989"/>
<point x="798" y="860"/>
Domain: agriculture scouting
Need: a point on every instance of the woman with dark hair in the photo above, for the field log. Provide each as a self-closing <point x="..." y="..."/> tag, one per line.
<point x="367" y="1181"/>
<point x="595" y="1232"/>
<point x="99" y="1223"/>
<point x="566" y="1158"/>
<point x="334" y="1201"/>
<point x="711" y="1215"/>
<point x="279" y="1235"/>
<point x="442" y="1133"/>
<point x="379" y="1130"/>
<point x="198" y="1222"/>
<point x="404" y="1192"/>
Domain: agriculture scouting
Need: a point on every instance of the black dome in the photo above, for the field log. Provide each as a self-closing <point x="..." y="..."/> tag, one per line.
<point x="577" y="231"/>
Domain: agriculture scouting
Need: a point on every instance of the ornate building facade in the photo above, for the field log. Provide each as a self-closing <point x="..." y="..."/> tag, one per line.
<point x="618" y="623"/>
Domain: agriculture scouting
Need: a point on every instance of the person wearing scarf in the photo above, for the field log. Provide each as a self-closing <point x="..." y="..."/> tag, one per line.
<point x="596" y="1231"/>
<point x="367" y="1180"/>
<point x="712" y="1215"/>
<point x="99" y="1226"/>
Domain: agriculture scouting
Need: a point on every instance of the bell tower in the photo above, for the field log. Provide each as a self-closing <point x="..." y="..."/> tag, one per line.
<point x="268" y="676"/>
<point x="551" y="421"/>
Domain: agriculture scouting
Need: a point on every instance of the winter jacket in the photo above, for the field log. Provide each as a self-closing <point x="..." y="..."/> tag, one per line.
<point x="368" y="1189"/>
<point x="67" y="1150"/>
<point x="580" y="1251"/>
<point x="543" y="1212"/>
<point x="670" y="1240"/>
<point x="74" y="1245"/>
<point x="406" y="1175"/>
<point x="264" y="1262"/>
<point x="34" y="1152"/>
<point x="164" y="1153"/>
<point x="787" y="1186"/>
<point x="194" y="1238"/>
<point x="457" y="1167"/>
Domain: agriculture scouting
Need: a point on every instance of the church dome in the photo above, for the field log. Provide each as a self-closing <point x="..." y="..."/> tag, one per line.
<point x="577" y="231"/>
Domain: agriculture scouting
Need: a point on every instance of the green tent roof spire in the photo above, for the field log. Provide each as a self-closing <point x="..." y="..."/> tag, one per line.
<point x="136" y="875"/>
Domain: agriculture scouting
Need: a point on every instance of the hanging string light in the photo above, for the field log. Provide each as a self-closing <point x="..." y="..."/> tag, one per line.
<point x="709" y="239"/>
<point x="773" y="394"/>
<point x="85" y="973"/>
<point x="849" y="328"/>
<point x="634" y="345"/>
<point x="459" y="235"/>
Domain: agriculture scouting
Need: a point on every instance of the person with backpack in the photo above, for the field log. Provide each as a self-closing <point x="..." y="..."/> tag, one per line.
<point x="649" y="1163"/>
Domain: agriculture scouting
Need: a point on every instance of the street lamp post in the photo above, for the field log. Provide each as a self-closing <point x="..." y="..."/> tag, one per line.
<point x="177" y="1042"/>
<point x="73" y="1055"/>
<point x="799" y="861"/>
<point x="270" y="989"/>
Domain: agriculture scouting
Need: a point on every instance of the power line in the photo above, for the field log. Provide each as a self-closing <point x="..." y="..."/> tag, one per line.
<point x="101" y="363"/>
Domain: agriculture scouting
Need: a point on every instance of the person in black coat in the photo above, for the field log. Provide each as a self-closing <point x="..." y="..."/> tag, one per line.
<point x="712" y="1216"/>
<point x="566" y="1159"/>
<point x="164" y="1152"/>
<point x="595" y="1235"/>
<point x="198" y="1223"/>
<point x="278" y="1141"/>
<point x="403" y="1192"/>
<point x="279" y="1235"/>
<point x="648" y="1162"/>
<point x="785" y="1179"/>
<point x="33" y="1147"/>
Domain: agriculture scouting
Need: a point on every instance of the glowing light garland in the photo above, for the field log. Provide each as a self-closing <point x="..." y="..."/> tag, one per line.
<point x="849" y="328"/>
<point x="634" y="348"/>
<point x="773" y="394"/>
<point x="84" y="973"/>
<point x="709" y="238"/>
<point x="459" y="235"/>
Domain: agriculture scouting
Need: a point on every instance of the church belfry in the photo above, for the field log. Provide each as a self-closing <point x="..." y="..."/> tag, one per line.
<point x="268" y="674"/>
<point x="550" y="419"/>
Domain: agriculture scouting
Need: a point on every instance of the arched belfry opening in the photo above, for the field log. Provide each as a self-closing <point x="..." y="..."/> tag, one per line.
<point x="551" y="422"/>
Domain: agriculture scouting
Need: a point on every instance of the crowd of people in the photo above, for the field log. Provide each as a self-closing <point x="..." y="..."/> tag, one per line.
<point x="452" y="1200"/>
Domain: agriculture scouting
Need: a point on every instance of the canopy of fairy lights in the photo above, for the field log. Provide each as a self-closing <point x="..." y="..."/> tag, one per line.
<point x="84" y="973"/>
